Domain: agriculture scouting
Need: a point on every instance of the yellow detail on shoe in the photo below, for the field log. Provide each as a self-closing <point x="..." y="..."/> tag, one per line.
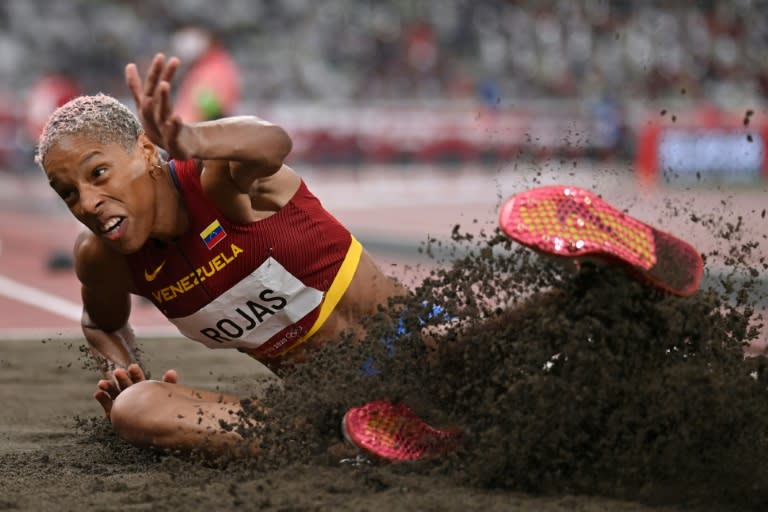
<point x="580" y="225"/>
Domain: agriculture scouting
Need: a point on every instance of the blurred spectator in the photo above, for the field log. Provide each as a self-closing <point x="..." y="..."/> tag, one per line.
<point x="9" y="158"/>
<point x="209" y="85"/>
<point x="413" y="50"/>
<point x="610" y="128"/>
<point x="539" y="58"/>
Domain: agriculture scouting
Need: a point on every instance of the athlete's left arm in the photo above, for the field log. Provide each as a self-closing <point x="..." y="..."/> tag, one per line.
<point x="254" y="148"/>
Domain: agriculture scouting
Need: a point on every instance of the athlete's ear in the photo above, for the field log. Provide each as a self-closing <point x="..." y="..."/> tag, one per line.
<point x="148" y="149"/>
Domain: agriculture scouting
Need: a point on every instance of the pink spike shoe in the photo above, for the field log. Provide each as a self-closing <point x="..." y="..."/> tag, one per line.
<point x="394" y="432"/>
<point x="573" y="222"/>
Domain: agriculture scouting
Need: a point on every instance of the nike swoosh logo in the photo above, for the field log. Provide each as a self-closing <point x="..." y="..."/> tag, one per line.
<point x="151" y="276"/>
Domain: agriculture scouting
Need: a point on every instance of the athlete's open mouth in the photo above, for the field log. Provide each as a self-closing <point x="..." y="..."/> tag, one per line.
<point x="112" y="225"/>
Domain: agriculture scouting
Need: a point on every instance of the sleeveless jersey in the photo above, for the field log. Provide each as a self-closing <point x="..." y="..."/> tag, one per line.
<point x="262" y="287"/>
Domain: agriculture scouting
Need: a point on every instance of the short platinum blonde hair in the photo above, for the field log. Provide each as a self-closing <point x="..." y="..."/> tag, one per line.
<point x="100" y="116"/>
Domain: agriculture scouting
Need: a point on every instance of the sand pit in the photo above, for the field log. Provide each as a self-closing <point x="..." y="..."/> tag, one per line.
<point x="48" y="462"/>
<point x="550" y="397"/>
<point x="548" y="403"/>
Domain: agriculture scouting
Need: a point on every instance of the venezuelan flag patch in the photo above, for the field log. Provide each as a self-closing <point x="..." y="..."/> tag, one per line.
<point x="213" y="234"/>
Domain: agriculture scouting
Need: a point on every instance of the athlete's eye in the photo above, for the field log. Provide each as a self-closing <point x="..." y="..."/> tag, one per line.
<point x="67" y="194"/>
<point x="98" y="172"/>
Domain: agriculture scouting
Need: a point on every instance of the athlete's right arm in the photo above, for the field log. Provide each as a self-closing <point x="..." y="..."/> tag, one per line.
<point x="106" y="285"/>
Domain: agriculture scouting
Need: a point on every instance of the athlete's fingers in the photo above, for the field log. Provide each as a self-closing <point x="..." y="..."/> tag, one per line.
<point x="153" y="75"/>
<point x="105" y="401"/>
<point x="136" y="373"/>
<point x="170" y="69"/>
<point x="148" y="109"/>
<point x="171" y="377"/>
<point x="164" y="105"/>
<point x="157" y="112"/>
<point x="122" y="378"/>
<point x="133" y="80"/>
<point x="109" y="387"/>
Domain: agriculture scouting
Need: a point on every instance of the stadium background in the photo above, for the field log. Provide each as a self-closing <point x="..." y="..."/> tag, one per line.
<point x="408" y="117"/>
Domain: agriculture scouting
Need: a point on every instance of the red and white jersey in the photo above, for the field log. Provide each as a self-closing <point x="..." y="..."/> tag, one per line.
<point x="258" y="287"/>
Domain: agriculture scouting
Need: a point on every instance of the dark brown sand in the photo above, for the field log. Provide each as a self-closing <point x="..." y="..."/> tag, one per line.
<point x="48" y="462"/>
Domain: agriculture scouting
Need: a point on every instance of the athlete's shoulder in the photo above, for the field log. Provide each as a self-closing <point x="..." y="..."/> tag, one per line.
<point x="98" y="265"/>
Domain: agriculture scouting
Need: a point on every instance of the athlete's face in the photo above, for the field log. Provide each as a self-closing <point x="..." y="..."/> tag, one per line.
<point x="108" y="189"/>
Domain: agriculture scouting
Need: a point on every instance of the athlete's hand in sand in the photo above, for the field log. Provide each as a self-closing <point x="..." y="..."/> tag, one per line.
<point x="153" y="102"/>
<point x="122" y="378"/>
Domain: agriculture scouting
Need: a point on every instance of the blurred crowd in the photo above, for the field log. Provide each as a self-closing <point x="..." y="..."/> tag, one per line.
<point x="495" y="53"/>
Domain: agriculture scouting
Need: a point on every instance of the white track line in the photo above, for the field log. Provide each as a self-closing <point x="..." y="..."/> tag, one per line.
<point x="22" y="334"/>
<point x="20" y="292"/>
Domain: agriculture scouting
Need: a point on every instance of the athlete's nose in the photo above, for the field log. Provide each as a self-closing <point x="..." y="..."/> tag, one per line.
<point x="91" y="199"/>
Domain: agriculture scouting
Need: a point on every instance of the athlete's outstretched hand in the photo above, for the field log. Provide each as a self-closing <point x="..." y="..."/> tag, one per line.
<point x="122" y="378"/>
<point x="153" y="102"/>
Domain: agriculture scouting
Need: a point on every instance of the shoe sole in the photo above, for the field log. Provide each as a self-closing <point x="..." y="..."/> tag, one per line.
<point x="573" y="222"/>
<point x="394" y="432"/>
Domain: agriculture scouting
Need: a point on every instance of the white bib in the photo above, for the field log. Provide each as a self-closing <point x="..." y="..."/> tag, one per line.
<point x="254" y="310"/>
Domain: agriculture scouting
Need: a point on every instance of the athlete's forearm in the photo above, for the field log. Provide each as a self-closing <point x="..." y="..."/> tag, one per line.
<point x="116" y="349"/>
<point x="240" y="139"/>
